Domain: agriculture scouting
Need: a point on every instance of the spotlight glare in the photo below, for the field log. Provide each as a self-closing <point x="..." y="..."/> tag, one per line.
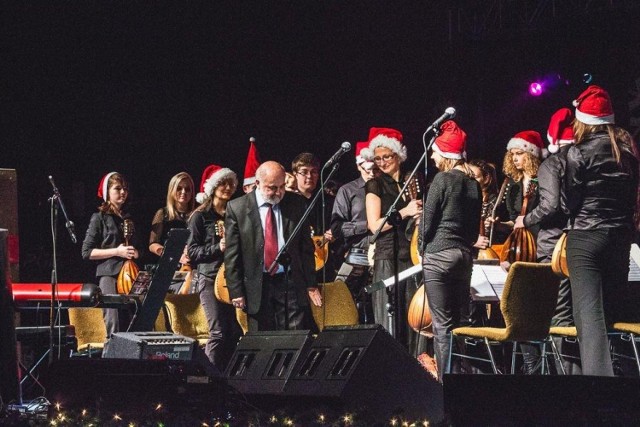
<point x="535" y="89"/>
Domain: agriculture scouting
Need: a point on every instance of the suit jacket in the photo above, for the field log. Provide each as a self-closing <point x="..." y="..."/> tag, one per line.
<point x="244" y="254"/>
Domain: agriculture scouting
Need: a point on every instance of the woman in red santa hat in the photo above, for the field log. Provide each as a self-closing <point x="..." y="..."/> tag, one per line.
<point x="601" y="184"/>
<point x="104" y="241"/>
<point x="387" y="152"/>
<point x="451" y="227"/>
<point x="206" y="248"/>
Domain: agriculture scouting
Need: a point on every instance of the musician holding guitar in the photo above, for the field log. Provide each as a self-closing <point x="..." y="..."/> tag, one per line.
<point x="104" y="241"/>
<point x="206" y="248"/>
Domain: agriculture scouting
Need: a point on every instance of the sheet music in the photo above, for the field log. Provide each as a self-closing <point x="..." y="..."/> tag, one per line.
<point x="487" y="282"/>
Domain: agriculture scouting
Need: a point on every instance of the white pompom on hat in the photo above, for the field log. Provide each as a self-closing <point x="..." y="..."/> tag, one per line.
<point x="103" y="187"/>
<point x="212" y="176"/>
<point x="384" y="137"/>
<point x="593" y="107"/>
<point x="253" y="161"/>
<point x="451" y="142"/>
<point x="529" y="141"/>
<point x="560" y="130"/>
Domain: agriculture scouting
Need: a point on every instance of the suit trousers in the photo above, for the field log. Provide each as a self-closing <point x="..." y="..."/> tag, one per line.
<point x="598" y="262"/>
<point x="279" y="307"/>
<point x="447" y="276"/>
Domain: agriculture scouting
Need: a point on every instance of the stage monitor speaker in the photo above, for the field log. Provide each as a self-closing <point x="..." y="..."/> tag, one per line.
<point x="472" y="400"/>
<point x="263" y="361"/>
<point x="149" y="345"/>
<point x="364" y="367"/>
<point x="8" y="359"/>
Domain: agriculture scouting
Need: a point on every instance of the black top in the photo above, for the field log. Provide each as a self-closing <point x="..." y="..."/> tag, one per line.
<point x="105" y="231"/>
<point x="161" y="225"/>
<point x="203" y="248"/>
<point x="514" y="199"/>
<point x="452" y="212"/>
<point x="349" y="217"/>
<point x="385" y="187"/>
<point x="599" y="192"/>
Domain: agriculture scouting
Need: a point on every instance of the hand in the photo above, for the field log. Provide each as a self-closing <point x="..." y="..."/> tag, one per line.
<point x="239" y="303"/>
<point x="126" y="252"/>
<point x="328" y="236"/>
<point x="482" y="242"/>
<point x="223" y="244"/>
<point x="315" y="296"/>
<point x="505" y="265"/>
<point x="414" y="209"/>
<point x="519" y="223"/>
<point x="184" y="259"/>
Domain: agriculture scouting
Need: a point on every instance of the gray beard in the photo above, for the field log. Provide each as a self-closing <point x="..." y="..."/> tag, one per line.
<point x="274" y="200"/>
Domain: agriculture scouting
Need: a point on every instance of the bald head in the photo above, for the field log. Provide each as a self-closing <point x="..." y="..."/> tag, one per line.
<point x="270" y="179"/>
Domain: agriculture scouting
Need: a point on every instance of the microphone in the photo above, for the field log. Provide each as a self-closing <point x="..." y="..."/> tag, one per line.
<point x="449" y="113"/>
<point x="68" y="223"/>
<point x="346" y="146"/>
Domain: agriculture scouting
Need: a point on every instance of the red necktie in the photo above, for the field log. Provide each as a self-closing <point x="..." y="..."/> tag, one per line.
<point x="270" y="239"/>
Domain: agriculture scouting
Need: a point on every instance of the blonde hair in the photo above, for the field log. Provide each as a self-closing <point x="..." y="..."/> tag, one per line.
<point x="531" y="165"/>
<point x="172" y="211"/>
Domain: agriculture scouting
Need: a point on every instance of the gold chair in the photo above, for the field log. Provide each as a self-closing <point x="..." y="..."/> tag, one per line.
<point x="91" y="331"/>
<point x="186" y="316"/>
<point x="338" y="308"/>
<point x="528" y="303"/>
<point x="628" y="332"/>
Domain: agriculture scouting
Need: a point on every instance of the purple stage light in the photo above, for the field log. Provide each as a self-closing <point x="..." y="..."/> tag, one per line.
<point x="535" y="89"/>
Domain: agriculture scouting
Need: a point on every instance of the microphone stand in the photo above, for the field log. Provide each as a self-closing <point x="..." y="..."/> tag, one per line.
<point x="283" y="257"/>
<point x="56" y="200"/>
<point x="393" y="217"/>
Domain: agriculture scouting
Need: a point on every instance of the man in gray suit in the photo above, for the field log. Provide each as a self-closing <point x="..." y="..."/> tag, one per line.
<point x="256" y="225"/>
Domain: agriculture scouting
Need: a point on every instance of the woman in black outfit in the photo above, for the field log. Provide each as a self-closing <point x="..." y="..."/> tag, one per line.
<point x="206" y="251"/>
<point x="104" y="241"/>
<point x="601" y="183"/>
<point x="452" y="222"/>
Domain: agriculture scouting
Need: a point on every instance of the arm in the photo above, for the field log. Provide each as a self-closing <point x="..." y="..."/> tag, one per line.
<point x="573" y="179"/>
<point x="93" y="239"/>
<point x="157" y="227"/>
<point x="198" y="249"/>
<point x="548" y="193"/>
<point x="342" y="223"/>
<point x="234" y="269"/>
<point x="432" y="210"/>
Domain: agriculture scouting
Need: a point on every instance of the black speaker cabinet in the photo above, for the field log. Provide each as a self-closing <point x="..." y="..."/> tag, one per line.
<point x="358" y="368"/>
<point x="263" y="361"/>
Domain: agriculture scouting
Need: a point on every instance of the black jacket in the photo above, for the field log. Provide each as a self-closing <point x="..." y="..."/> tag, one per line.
<point x="599" y="192"/>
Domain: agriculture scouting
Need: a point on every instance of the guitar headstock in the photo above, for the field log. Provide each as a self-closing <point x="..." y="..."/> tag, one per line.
<point x="128" y="228"/>
<point x="531" y="188"/>
<point x="414" y="189"/>
<point x="219" y="228"/>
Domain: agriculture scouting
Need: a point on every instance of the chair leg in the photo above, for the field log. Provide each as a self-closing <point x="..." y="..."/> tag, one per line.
<point x="543" y="366"/>
<point x="513" y="357"/>
<point x="493" y="362"/>
<point x="635" y="350"/>
<point x="448" y="370"/>
<point x="557" y="356"/>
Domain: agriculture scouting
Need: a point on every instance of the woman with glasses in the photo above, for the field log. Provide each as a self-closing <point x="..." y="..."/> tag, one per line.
<point x="388" y="153"/>
<point x="206" y="248"/>
<point x="104" y="241"/>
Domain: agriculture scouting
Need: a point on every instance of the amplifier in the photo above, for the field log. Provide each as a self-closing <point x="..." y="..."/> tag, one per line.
<point x="149" y="345"/>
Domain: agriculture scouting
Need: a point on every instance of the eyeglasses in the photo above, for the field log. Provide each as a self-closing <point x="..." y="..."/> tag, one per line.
<point x="308" y="173"/>
<point x="384" y="158"/>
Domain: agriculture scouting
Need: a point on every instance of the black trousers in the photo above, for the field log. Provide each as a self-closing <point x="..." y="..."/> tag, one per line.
<point x="598" y="263"/>
<point x="279" y="308"/>
<point x="447" y="276"/>
<point x="220" y="320"/>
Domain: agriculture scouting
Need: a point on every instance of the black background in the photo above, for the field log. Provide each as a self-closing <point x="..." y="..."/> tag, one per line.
<point x="152" y="89"/>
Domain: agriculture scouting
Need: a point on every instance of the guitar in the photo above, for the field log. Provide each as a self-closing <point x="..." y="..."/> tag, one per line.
<point x="129" y="270"/>
<point x="320" y="250"/>
<point x="220" y="289"/>
<point x="490" y="253"/>
<point x="521" y="245"/>
<point x="414" y="192"/>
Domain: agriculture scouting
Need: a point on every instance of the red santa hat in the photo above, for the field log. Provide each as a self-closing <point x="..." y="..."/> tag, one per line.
<point x="361" y="145"/>
<point x="253" y="161"/>
<point x="593" y="107"/>
<point x="560" y="130"/>
<point x="529" y="141"/>
<point x="384" y="137"/>
<point x="212" y="176"/>
<point x="103" y="187"/>
<point x="451" y="142"/>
